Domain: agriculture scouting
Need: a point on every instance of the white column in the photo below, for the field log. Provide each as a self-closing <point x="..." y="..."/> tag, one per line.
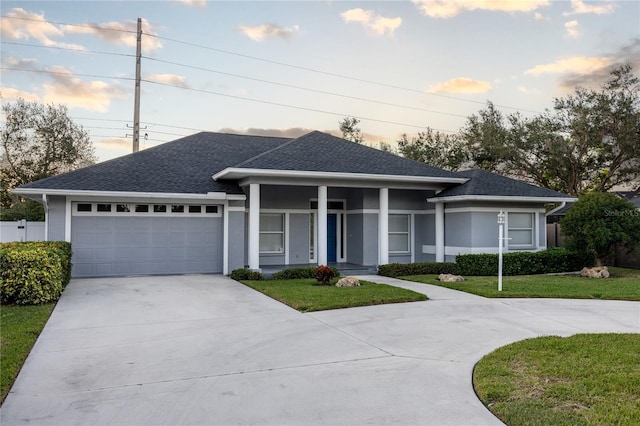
<point x="225" y="238"/>
<point x="439" y="232"/>
<point x="383" y="227"/>
<point x="67" y="220"/>
<point x="254" y="226"/>
<point x="322" y="225"/>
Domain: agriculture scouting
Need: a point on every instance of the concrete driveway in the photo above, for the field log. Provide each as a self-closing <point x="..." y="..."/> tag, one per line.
<point x="204" y="349"/>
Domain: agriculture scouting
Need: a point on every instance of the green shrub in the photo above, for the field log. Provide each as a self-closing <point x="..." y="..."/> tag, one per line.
<point x="63" y="249"/>
<point x="246" y="274"/>
<point x="427" y="268"/>
<point x="324" y="275"/>
<point x="300" y="273"/>
<point x="523" y="263"/>
<point x="30" y="276"/>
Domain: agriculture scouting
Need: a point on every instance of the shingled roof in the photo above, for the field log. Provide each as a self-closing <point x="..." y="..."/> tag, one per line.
<point x="485" y="184"/>
<point x="321" y="152"/>
<point x="182" y="166"/>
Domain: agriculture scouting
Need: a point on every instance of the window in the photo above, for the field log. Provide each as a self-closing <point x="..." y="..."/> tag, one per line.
<point x="272" y="233"/>
<point x="195" y="209"/>
<point x="312" y="237"/>
<point x="159" y="208"/>
<point x="521" y="230"/>
<point x="123" y="208"/>
<point x="177" y="208"/>
<point x="104" y="207"/>
<point x="142" y="208"/>
<point x="399" y="237"/>
<point x="84" y="207"/>
<point x="211" y="209"/>
<point x="119" y="208"/>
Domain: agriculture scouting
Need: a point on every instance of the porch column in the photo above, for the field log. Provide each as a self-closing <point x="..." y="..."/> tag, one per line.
<point x="322" y="225"/>
<point x="439" y="232"/>
<point x="383" y="227"/>
<point x="254" y="226"/>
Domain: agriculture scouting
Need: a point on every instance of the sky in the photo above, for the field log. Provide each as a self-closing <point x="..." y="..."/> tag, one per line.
<point x="285" y="68"/>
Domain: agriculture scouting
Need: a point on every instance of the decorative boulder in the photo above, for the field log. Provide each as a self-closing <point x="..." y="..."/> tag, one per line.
<point x="450" y="278"/>
<point x="348" y="282"/>
<point x="596" y="272"/>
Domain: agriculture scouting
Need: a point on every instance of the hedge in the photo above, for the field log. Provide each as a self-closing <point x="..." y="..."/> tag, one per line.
<point x="245" y="274"/>
<point x="524" y="263"/>
<point x="30" y="276"/>
<point x="514" y="263"/>
<point x="300" y="273"/>
<point x="63" y="249"/>
<point x="428" y="268"/>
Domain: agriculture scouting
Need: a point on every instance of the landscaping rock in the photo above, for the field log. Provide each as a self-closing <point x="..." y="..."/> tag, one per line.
<point x="450" y="278"/>
<point x="595" y="272"/>
<point x="348" y="282"/>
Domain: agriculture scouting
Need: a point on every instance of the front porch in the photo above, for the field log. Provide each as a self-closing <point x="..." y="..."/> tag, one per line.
<point x="345" y="269"/>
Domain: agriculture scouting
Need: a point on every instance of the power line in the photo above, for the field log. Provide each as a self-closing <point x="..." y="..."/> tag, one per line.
<point x="97" y="52"/>
<point x="308" y="89"/>
<point x="288" y="106"/>
<point x="361" y="80"/>
<point x="66" y="73"/>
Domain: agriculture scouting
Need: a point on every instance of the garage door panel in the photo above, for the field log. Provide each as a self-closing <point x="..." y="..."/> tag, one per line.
<point x="105" y="245"/>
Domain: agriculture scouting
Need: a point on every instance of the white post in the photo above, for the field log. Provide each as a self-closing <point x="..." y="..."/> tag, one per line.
<point x="322" y="225"/>
<point x="501" y="218"/>
<point x="383" y="227"/>
<point x="254" y="226"/>
<point x="439" y="232"/>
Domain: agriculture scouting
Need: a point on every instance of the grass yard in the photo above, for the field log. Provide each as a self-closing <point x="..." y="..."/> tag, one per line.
<point x="20" y="326"/>
<point x="304" y="296"/>
<point x="624" y="284"/>
<point x="583" y="379"/>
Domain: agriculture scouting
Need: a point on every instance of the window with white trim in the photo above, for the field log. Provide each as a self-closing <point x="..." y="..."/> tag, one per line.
<point x="272" y="233"/>
<point x="399" y="233"/>
<point x="131" y="209"/>
<point x="521" y="232"/>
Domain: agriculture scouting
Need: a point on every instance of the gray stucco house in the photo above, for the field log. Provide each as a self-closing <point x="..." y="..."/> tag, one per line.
<point x="212" y="202"/>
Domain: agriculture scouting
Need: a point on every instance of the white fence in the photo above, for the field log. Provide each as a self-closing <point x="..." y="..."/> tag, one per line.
<point x="21" y="230"/>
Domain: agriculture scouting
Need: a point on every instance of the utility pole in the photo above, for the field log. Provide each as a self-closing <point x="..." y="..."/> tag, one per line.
<point x="136" y="107"/>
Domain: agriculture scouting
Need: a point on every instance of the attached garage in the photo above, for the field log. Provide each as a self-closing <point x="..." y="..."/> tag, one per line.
<point x="111" y="239"/>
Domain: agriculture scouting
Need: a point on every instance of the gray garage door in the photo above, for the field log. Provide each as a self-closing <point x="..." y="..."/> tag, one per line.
<point x="119" y="245"/>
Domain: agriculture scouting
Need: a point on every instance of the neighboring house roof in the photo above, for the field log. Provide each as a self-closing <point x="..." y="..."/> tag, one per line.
<point x="483" y="185"/>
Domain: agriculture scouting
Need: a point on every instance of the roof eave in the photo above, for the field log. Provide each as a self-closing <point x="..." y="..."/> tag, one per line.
<point x="510" y="198"/>
<point x="128" y="194"/>
<point x="235" y="173"/>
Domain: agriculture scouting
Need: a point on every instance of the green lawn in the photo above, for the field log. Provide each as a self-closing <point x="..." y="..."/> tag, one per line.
<point x="584" y="379"/>
<point x="20" y="326"/>
<point x="304" y="296"/>
<point x="624" y="284"/>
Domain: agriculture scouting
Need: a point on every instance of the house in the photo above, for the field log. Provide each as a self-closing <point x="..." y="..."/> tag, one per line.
<point x="212" y="202"/>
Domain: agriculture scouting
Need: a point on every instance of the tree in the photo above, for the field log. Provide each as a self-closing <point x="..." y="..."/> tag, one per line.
<point x="435" y="148"/>
<point x="38" y="141"/>
<point x="600" y="222"/>
<point x="350" y="130"/>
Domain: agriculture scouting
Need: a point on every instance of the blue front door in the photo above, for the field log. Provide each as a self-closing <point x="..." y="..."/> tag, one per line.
<point x="332" y="237"/>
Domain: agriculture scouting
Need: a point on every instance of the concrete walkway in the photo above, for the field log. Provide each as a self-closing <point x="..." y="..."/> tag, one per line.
<point x="204" y="349"/>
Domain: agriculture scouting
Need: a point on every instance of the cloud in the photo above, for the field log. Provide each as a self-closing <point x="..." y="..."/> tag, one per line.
<point x="119" y="144"/>
<point x="573" y="29"/>
<point x="571" y="64"/>
<point x="578" y="7"/>
<point x="22" y="25"/>
<point x="451" y="8"/>
<point x="119" y="33"/>
<point x="292" y="132"/>
<point x="540" y="17"/>
<point x="11" y="93"/>
<point x="460" y="85"/>
<point x="199" y="3"/>
<point x="72" y="91"/>
<point x="21" y="63"/>
<point x="590" y="72"/>
<point x="260" y="32"/>
<point x="378" y="24"/>
<point x="171" y="79"/>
